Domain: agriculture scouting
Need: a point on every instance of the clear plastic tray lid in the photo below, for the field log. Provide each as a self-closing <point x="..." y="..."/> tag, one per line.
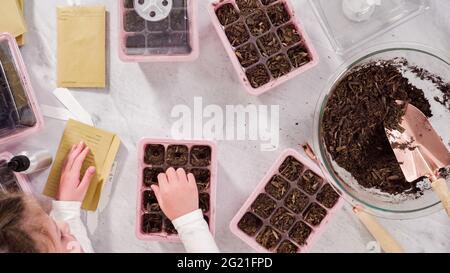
<point x="16" y="112"/>
<point x="350" y="23"/>
<point x="156" y="27"/>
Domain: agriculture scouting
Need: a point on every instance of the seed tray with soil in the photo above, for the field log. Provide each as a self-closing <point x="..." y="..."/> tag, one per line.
<point x="264" y="40"/>
<point x="9" y="181"/>
<point x="156" y="156"/>
<point x="173" y="38"/>
<point x="280" y="216"/>
<point x="19" y="113"/>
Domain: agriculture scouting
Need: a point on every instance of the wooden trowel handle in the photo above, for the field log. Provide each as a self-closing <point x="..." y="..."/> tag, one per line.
<point x="441" y="189"/>
<point x="386" y="241"/>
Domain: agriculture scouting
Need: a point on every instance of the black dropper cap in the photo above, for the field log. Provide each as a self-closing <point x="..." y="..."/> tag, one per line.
<point x="19" y="163"/>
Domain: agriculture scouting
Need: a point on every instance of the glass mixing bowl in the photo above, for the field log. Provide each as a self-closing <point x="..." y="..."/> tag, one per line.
<point x="374" y="201"/>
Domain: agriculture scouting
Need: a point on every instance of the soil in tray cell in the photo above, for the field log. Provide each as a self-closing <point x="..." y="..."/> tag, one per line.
<point x="150" y="203"/>
<point x="133" y="22"/>
<point x="268" y="238"/>
<point x="151" y="176"/>
<point x="154" y="154"/>
<point x="250" y="224"/>
<point x="314" y="214"/>
<point x="310" y="182"/>
<point x="247" y="54"/>
<point x="327" y="196"/>
<point x="296" y="201"/>
<point x="158" y="40"/>
<point x="300" y="233"/>
<point x="278" y="14"/>
<point x="263" y="206"/>
<point x="227" y="14"/>
<point x="291" y="168"/>
<point x="204" y="201"/>
<point x="247" y="6"/>
<point x="288" y="35"/>
<point x="268" y="44"/>
<point x="268" y="2"/>
<point x="287" y="247"/>
<point x="258" y="76"/>
<point x="277" y="187"/>
<point x="282" y="219"/>
<point x="177" y="155"/>
<point x="299" y="56"/>
<point x="152" y="223"/>
<point x="258" y="23"/>
<point x="202" y="178"/>
<point x="279" y="65"/>
<point x="168" y="227"/>
<point x="129" y="4"/>
<point x="237" y="34"/>
<point x="200" y="156"/>
<point x="180" y="39"/>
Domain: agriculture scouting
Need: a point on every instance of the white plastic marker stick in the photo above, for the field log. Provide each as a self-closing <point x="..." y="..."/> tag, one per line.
<point x="56" y="112"/>
<point x="74" y="107"/>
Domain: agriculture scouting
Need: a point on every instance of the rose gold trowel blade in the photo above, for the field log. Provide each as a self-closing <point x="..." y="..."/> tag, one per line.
<point x="419" y="149"/>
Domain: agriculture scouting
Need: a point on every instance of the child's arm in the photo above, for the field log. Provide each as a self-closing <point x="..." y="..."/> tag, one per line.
<point x="71" y="193"/>
<point x="177" y="195"/>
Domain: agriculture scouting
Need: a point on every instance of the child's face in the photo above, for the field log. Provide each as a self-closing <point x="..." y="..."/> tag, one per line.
<point x="53" y="236"/>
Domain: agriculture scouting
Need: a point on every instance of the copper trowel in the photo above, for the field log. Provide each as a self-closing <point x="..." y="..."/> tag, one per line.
<point x="420" y="151"/>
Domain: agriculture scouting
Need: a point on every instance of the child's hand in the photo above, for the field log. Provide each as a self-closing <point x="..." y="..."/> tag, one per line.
<point x="70" y="186"/>
<point x="177" y="193"/>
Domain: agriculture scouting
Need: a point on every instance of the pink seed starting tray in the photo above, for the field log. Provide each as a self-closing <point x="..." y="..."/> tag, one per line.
<point x="10" y="181"/>
<point x="20" y="115"/>
<point x="158" y="30"/>
<point x="288" y="209"/>
<point x="156" y="156"/>
<point x="264" y="40"/>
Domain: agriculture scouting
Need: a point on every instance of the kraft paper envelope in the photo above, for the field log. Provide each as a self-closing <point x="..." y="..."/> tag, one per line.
<point x="103" y="150"/>
<point x="81" y="47"/>
<point x="11" y="18"/>
<point x="21" y="38"/>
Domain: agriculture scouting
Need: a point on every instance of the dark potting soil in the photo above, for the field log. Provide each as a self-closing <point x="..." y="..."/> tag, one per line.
<point x="291" y="168"/>
<point x="200" y="156"/>
<point x="250" y="224"/>
<point x="152" y="223"/>
<point x="258" y="76"/>
<point x="327" y="196"/>
<point x="135" y="41"/>
<point x="296" y="201"/>
<point x="247" y="54"/>
<point x="287" y="247"/>
<point x="300" y="233"/>
<point x="237" y="34"/>
<point x="129" y="4"/>
<point x="310" y="182"/>
<point x="169" y="227"/>
<point x="202" y="178"/>
<point x="150" y="203"/>
<point x="314" y="214"/>
<point x="282" y="219"/>
<point x="278" y="14"/>
<point x="204" y="201"/>
<point x="227" y="14"/>
<point x="151" y="176"/>
<point x="258" y="23"/>
<point x="268" y="2"/>
<point x="247" y="6"/>
<point x="277" y="187"/>
<point x="177" y="155"/>
<point x="268" y="238"/>
<point x="133" y="22"/>
<point x="154" y="154"/>
<point x="279" y="65"/>
<point x="359" y="108"/>
<point x="299" y="56"/>
<point x="289" y="35"/>
<point x="263" y="206"/>
<point x="268" y="44"/>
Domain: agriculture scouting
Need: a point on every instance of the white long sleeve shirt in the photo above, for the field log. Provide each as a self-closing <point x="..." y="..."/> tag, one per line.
<point x="192" y="228"/>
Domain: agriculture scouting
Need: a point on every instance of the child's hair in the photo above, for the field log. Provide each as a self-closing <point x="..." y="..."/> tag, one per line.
<point x="13" y="237"/>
